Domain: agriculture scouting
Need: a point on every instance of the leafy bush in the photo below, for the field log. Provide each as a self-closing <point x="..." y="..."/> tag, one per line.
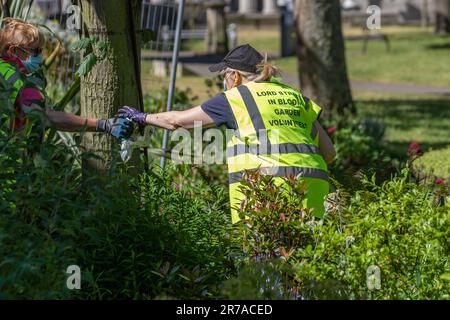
<point x="435" y="162"/>
<point x="143" y="237"/>
<point x="359" y="150"/>
<point x="398" y="227"/>
<point x="171" y="243"/>
<point x="274" y="217"/>
<point x="38" y="188"/>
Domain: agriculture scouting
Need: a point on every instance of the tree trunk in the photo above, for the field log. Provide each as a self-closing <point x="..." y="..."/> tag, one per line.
<point x="321" y="55"/>
<point x="4" y="6"/>
<point x="113" y="81"/>
<point x="424" y="17"/>
<point x="442" y="16"/>
<point x="217" y="39"/>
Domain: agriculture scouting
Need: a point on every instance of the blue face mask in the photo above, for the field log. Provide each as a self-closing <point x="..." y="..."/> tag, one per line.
<point x="33" y="63"/>
<point x="225" y="82"/>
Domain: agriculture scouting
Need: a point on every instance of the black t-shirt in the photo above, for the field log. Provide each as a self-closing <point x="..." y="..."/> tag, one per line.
<point x="219" y="109"/>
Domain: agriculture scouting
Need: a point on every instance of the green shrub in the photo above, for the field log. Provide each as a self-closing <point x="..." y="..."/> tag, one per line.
<point x="143" y="237"/>
<point x="398" y="227"/>
<point x="171" y="243"/>
<point x="39" y="188"/>
<point x="359" y="150"/>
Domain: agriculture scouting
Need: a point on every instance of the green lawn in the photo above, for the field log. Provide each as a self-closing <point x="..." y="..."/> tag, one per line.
<point x="425" y="119"/>
<point x="417" y="56"/>
<point x="266" y="40"/>
<point x="420" y="58"/>
<point x="152" y="84"/>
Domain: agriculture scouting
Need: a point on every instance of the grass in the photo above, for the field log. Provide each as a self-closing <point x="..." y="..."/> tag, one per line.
<point x="415" y="58"/>
<point x="266" y="40"/>
<point x="417" y="55"/>
<point x="425" y="119"/>
<point x="421" y="118"/>
<point x="152" y="84"/>
<point x="389" y="30"/>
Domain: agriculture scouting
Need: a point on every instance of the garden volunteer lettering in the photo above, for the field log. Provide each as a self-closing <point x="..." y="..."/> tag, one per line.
<point x="275" y="134"/>
<point x="290" y="116"/>
<point x="288" y="112"/>
<point x="287" y="122"/>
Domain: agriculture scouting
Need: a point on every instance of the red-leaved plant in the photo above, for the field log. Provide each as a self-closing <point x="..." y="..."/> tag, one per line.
<point x="275" y="221"/>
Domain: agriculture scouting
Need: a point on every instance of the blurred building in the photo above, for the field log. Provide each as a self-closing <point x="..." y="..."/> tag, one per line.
<point x="258" y="13"/>
<point x="392" y="11"/>
<point x="267" y="12"/>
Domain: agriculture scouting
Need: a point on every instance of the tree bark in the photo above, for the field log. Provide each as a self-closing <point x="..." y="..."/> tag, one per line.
<point x="113" y="81"/>
<point x="321" y="55"/>
<point x="424" y="17"/>
<point x="217" y="39"/>
<point x="442" y="16"/>
<point x="5" y="9"/>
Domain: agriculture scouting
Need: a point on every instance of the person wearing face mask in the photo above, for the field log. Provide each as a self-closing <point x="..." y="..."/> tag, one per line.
<point x="20" y="57"/>
<point x="275" y="127"/>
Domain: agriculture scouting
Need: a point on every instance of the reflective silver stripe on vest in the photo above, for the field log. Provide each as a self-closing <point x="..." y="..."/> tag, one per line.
<point x="282" y="148"/>
<point x="255" y="115"/>
<point x="283" y="172"/>
<point x="11" y="80"/>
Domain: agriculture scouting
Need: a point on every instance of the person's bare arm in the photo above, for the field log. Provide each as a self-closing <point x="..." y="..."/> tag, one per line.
<point x="118" y="128"/>
<point x="69" y="122"/>
<point x="32" y="99"/>
<point x="325" y="144"/>
<point x="66" y="121"/>
<point x="180" y="119"/>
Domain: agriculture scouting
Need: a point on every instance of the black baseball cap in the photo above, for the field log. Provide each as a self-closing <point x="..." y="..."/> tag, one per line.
<point x="242" y="58"/>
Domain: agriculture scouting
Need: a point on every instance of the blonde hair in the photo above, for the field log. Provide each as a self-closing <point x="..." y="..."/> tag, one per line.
<point x="17" y="32"/>
<point x="264" y="71"/>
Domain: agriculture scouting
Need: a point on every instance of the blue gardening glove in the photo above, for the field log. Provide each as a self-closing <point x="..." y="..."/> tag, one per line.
<point x="133" y="114"/>
<point x="120" y="128"/>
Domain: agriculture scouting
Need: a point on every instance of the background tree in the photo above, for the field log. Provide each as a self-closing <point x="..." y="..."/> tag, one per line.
<point x="321" y="54"/>
<point x="113" y="81"/>
<point x="443" y="16"/>
<point x="217" y="39"/>
<point x="424" y="16"/>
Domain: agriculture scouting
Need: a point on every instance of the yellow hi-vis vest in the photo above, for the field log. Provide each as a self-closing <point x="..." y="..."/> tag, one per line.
<point x="11" y="81"/>
<point x="275" y="133"/>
